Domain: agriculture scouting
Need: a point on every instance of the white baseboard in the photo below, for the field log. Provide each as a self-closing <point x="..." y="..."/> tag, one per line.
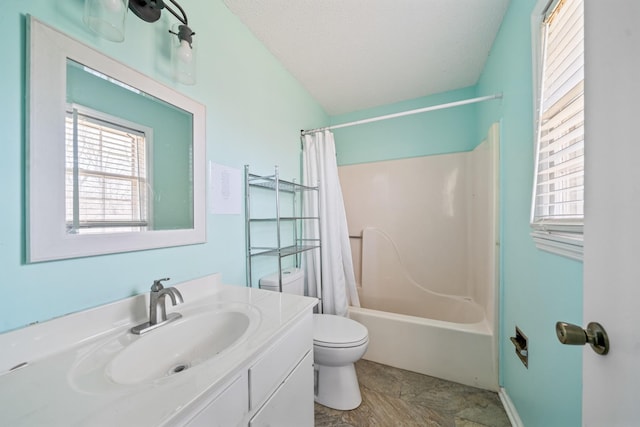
<point x="510" y="409"/>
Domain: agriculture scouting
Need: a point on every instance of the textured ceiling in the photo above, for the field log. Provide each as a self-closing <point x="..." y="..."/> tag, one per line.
<point x="356" y="54"/>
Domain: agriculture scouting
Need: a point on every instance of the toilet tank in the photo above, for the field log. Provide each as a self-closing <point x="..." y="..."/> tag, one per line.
<point x="292" y="281"/>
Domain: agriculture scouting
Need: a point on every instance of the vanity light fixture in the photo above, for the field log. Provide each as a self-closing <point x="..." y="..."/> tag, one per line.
<point x="107" y="18"/>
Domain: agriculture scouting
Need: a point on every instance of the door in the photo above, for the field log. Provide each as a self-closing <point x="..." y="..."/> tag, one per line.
<point x="611" y="383"/>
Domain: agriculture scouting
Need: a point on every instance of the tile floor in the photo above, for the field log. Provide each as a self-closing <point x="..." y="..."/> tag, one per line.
<point x="395" y="397"/>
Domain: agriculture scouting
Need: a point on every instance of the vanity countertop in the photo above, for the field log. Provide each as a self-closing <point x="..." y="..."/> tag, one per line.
<point x="37" y="388"/>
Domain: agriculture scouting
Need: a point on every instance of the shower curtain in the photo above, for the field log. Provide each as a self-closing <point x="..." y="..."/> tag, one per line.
<point x="319" y="167"/>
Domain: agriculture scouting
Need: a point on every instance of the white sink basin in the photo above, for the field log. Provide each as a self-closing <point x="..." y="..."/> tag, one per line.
<point x="123" y="359"/>
<point x="178" y="346"/>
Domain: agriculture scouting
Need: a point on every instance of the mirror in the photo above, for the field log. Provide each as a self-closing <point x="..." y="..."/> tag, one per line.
<point x="115" y="159"/>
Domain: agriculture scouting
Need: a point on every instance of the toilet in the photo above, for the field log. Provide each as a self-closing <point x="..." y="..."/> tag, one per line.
<point x="338" y="342"/>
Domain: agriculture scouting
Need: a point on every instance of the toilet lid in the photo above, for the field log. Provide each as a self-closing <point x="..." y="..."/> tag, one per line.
<point x="336" y="331"/>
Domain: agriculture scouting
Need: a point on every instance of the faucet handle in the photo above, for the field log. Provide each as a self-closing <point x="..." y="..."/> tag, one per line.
<point x="157" y="284"/>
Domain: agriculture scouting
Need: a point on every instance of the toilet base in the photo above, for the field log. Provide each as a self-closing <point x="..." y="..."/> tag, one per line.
<point x="337" y="387"/>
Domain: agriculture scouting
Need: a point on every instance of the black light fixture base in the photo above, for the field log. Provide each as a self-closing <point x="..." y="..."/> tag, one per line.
<point x="147" y="10"/>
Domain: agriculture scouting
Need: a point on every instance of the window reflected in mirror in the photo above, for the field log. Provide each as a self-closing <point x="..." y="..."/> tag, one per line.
<point x="106" y="176"/>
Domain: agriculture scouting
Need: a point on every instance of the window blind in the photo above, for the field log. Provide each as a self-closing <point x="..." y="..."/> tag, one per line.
<point x="559" y="180"/>
<point x="106" y="175"/>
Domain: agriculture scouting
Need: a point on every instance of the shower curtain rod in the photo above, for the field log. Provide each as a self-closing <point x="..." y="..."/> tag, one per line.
<point x="405" y="113"/>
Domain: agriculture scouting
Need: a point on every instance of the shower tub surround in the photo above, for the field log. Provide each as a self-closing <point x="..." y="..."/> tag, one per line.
<point x="425" y="254"/>
<point x="412" y="328"/>
<point x="53" y="373"/>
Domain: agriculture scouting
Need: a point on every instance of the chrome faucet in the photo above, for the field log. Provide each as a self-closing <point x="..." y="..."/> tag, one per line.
<point x="157" y="309"/>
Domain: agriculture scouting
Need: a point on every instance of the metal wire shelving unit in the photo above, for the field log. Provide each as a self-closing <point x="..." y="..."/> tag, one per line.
<point x="299" y="244"/>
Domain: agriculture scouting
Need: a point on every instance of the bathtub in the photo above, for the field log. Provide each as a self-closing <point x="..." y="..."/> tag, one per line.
<point x="414" y="328"/>
<point x="459" y="352"/>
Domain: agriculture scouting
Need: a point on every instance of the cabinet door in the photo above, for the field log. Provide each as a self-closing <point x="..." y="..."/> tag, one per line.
<point x="277" y="362"/>
<point x="227" y="409"/>
<point x="292" y="403"/>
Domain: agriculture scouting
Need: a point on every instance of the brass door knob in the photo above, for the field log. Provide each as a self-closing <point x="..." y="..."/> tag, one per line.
<point x="595" y="335"/>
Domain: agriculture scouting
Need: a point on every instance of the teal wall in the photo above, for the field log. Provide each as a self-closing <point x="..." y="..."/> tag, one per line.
<point x="171" y="142"/>
<point x="437" y="132"/>
<point x="537" y="288"/>
<point x="254" y="110"/>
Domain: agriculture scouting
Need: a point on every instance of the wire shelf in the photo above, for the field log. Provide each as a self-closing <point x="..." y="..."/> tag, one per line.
<point x="282" y="252"/>
<point x="269" y="182"/>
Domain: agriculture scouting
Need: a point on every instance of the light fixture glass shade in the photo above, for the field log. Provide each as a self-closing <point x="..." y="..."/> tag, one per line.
<point x="183" y="56"/>
<point x="106" y="18"/>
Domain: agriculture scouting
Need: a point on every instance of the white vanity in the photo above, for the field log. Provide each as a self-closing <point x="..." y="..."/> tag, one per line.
<point x="237" y="357"/>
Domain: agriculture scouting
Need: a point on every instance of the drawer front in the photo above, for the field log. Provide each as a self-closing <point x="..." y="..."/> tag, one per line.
<point x="278" y="361"/>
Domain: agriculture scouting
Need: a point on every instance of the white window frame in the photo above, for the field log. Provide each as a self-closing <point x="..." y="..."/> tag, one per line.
<point x="562" y="237"/>
<point x="119" y="124"/>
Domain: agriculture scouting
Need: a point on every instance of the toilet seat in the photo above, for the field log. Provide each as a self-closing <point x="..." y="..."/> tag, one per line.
<point x="338" y="332"/>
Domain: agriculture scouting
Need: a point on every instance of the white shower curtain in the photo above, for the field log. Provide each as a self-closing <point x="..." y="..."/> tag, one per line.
<point x="319" y="167"/>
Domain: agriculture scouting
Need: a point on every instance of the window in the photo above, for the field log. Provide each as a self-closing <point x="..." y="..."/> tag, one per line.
<point x="106" y="173"/>
<point x="558" y="196"/>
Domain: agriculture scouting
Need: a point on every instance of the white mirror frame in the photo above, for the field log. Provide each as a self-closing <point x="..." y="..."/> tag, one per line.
<point x="47" y="238"/>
